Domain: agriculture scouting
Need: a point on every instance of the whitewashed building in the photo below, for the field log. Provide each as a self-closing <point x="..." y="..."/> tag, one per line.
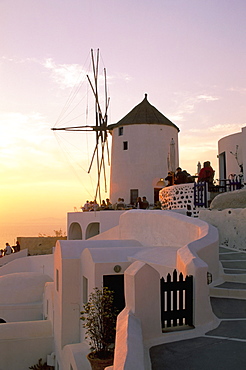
<point x="131" y="250"/>
<point x="232" y="154"/>
<point x="42" y="317"/>
<point x="140" y="153"/>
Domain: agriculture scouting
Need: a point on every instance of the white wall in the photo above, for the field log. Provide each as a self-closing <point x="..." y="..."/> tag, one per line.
<point x="159" y="228"/>
<point x="231" y="225"/>
<point x="106" y="219"/>
<point x="228" y="144"/>
<point x="21" y="296"/>
<point x="42" y="264"/>
<point x="144" y="161"/>
<point x="197" y="258"/>
<point x="13" y="256"/>
<point x="129" y="351"/>
<point x="22" y="344"/>
<point x="165" y="236"/>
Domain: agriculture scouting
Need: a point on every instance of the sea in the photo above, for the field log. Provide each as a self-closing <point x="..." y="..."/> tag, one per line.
<point x="40" y="227"/>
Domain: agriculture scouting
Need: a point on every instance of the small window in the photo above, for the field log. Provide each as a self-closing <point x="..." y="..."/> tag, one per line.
<point x="133" y="196"/>
<point x="125" y="145"/>
<point x="57" y="280"/>
<point x="120" y="131"/>
<point x="85" y="290"/>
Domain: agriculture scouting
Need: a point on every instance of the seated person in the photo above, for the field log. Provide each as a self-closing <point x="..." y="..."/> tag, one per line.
<point x="108" y="204"/>
<point x="86" y="206"/>
<point x="206" y="174"/>
<point x="103" y="205"/>
<point x="7" y="250"/>
<point x="139" y="203"/>
<point x="145" y="203"/>
<point x="120" y="204"/>
<point x="170" y="178"/>
<point x="180" y="176"/>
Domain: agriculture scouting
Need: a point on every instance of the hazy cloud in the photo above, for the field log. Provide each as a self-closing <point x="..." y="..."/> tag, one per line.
<point x="207" y="98"/>
<point x="66" y="75"/>
<point x="226" y="128"/>
<point x="241" y="90"/>
<point x="188" y="104"/>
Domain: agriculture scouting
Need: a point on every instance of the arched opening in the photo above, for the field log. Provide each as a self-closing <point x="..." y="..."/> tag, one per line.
<point x="75" y="232"/>
<point x="92" y="230"/>
<point x="2" y="321"/>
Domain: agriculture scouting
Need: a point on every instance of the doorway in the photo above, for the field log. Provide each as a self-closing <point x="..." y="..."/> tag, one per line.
<point x="116" y="283"/>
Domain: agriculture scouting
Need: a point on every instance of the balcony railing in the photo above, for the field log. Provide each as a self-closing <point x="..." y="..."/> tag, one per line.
<point x="193" y="196"/>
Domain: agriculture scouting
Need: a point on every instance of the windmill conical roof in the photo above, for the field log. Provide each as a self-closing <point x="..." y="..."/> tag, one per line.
<point x="143" y="113"/>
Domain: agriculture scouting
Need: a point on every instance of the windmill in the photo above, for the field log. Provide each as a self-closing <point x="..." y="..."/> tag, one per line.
<point x="101" y="149"/>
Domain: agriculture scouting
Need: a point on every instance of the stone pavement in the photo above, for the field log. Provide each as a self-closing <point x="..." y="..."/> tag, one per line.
<point x="223" y="348"/>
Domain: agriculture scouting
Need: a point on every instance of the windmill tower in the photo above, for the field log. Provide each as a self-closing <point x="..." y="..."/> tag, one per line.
<point x="142" y="142"/>
<point x="144" y="147"/>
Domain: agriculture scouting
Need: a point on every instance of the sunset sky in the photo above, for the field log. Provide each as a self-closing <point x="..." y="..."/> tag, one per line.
<point x="189" y="56"/>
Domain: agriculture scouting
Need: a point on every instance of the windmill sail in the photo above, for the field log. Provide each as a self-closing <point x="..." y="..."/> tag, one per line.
<point x="101" y="149"/>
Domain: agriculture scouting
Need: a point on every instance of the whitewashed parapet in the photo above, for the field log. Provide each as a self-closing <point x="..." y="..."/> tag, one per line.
<point x="177" y="196"/>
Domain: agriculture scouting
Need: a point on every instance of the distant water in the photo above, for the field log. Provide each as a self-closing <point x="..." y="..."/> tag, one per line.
<point x="10" y="232"/>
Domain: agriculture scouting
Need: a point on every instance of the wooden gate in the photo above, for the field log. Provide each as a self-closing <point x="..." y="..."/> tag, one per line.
<point x="176" y="301"/>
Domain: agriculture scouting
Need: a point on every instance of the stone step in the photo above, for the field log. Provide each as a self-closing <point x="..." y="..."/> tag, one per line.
<point x="234" y="265"/>
<point x="229" y="289"/>
<point x="236" y="276"/>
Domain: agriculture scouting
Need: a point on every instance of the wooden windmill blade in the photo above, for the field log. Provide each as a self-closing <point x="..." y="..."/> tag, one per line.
<point x="100" y="169"/>
<point x="79" y="128"/>
<point x="100" y="126"/>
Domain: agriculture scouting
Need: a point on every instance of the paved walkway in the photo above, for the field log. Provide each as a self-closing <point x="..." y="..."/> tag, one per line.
<point x="223" y="348"/>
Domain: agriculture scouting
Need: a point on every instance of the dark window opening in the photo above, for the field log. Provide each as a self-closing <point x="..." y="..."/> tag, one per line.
<point x="222" y="166"/>
<point x="120" y="131"/>
<point x="125" y="145"/>
<point x="133" y="196"/>
<point x="57" y="280"/>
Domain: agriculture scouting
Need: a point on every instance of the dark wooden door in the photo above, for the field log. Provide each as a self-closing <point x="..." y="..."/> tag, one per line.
<point x="116" y="283"/>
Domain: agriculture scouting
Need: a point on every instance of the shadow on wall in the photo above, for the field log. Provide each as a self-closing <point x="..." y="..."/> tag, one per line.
<point x="93" y="229"/>
<point x="75" y="231"/>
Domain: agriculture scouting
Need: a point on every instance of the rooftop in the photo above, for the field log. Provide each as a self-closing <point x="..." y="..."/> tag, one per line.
<point x="143" y="113"/>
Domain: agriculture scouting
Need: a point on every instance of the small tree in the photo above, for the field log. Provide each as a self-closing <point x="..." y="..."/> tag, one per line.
<point x="99" y="316"/>
<point x="41" y="366"/>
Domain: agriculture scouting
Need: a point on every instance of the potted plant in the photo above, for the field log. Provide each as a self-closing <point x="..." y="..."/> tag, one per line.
<point x="99" y="316"/>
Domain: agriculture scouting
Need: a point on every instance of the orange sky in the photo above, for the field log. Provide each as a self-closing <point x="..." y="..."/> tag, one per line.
<point x="189" y="57"/>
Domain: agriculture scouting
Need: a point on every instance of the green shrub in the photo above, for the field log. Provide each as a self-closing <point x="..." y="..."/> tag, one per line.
<point x="99" y="316"/>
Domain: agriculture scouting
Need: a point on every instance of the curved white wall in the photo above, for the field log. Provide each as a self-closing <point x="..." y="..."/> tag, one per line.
<point x="22" y="344"/>
<point x="144" y="161"/>
<point x="228" y="144"/>
<point x="42" y="264"/>
<point x="22" y="287"/>
<point x="231" y="225"/>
